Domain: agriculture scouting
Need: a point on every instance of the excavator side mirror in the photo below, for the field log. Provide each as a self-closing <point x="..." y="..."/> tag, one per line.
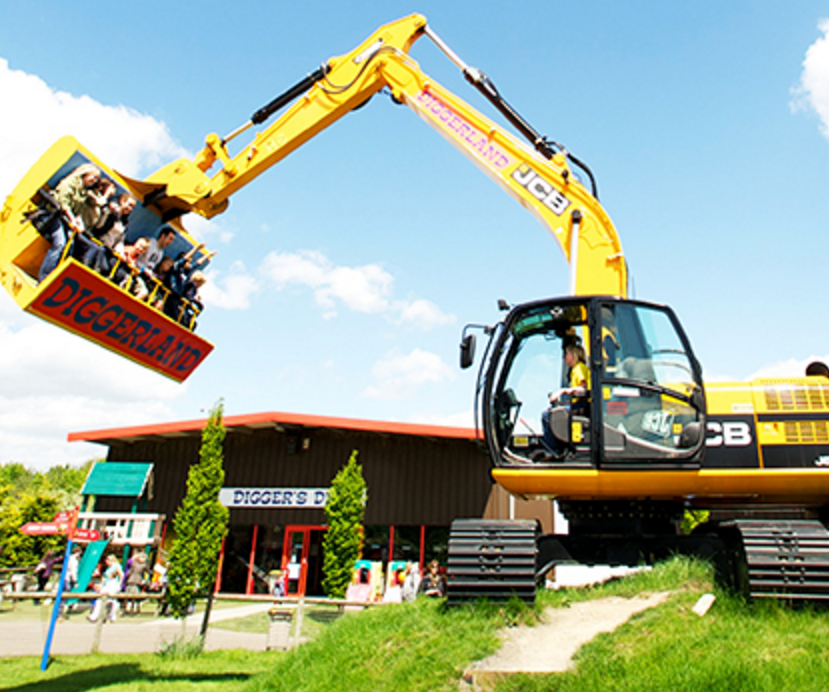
<point x="467" y="351"/>
<point x="691" y="436"/>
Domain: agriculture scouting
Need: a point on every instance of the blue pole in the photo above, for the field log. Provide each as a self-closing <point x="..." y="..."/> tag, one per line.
<point x="44" y="662"/>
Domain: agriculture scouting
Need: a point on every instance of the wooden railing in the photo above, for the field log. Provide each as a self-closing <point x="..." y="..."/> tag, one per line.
<point x="122" y="528"/>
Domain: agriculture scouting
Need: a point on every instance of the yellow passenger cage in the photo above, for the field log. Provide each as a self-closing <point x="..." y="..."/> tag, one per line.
<point x="81" y="300"/>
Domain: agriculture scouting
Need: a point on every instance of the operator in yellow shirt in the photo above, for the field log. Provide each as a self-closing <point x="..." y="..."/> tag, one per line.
<point x="578" y="391"/>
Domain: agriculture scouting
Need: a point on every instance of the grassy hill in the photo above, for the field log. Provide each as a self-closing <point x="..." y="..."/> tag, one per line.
<point x="736" y="646"/>
<point x="426" y="646"/>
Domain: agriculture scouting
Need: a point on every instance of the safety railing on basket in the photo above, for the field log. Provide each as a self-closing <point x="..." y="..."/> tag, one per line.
<point x="122" y="269"/>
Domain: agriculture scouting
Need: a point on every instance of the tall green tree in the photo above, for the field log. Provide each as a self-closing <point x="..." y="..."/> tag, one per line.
<point x="200" y="523"/>
<point x="27" y="495"/>
<point x="343" y="543"/>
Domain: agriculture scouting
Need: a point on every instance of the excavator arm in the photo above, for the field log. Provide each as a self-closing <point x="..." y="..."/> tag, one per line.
<point x="540" y="177"/>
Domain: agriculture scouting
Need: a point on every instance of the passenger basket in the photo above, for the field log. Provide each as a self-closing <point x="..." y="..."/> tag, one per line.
<point x="80" y="300"/>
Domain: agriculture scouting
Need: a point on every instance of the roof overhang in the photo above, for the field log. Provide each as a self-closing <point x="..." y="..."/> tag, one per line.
<point x="270" y="420"/>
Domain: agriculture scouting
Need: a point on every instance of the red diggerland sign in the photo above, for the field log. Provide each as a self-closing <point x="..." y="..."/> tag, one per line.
<point x="85" y="303"/>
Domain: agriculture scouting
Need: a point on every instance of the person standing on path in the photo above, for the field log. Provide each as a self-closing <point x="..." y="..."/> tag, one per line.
<point x="111" y="585"/>
<point x="136" y="574"/>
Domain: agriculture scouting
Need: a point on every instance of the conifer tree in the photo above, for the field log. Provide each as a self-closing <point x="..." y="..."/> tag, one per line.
<point x="200" y="522"/>
<point x="343" y="543"/>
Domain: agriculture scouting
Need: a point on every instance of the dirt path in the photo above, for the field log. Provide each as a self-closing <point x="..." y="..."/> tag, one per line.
<point x="549" y="646"/>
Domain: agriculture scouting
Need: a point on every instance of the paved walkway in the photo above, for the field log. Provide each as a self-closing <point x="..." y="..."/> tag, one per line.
<point x="549" y="646"/>
<point x="76" y="636"/>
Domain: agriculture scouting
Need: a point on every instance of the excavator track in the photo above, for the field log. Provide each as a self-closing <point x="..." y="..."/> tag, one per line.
<point x="492" y="559"/>
<point x="787" y="560"/>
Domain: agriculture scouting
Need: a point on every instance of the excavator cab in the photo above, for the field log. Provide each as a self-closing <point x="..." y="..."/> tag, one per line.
<point x="102" y="306"/>
<point x="644" y="402"/>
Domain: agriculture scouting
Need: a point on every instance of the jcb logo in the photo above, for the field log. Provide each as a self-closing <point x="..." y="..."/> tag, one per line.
<point x="539" y="188"/>
<point x="731" y="434"/>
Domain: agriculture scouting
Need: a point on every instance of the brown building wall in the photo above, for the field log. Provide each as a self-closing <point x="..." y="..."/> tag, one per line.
<point x="412" y="480"/>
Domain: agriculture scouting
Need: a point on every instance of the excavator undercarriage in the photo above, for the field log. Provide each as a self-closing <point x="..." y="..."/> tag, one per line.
<point x="764" y="558"/>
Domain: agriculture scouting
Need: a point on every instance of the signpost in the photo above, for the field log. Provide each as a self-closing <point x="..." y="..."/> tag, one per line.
<point x="63" y="523"/>
<point x="40" y="528"/>
<point x="44" y="662"/>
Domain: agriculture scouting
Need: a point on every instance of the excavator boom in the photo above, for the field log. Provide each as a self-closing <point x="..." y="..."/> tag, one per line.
<point x="539" y="178"/>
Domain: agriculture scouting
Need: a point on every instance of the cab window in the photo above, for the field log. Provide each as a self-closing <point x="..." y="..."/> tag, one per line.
<point x="532" y="366"/>
<point x="649" y="385"/>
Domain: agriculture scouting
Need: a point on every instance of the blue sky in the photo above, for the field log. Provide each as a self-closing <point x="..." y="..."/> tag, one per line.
<point x="346" y="273"/>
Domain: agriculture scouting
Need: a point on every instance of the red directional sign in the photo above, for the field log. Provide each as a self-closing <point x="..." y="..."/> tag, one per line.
<point x="87" y="535"/>
<point x="63" y="523"/>
<point x="40" y="528"/>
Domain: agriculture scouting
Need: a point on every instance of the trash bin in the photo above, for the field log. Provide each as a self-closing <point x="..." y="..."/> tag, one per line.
<point x="279" y="628"/>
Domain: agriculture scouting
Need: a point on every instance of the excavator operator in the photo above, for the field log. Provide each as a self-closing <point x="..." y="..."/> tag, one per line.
<point x="578" y="393"/>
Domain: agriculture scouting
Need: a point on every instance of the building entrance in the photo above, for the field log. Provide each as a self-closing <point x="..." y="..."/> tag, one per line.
<point x="302" y="559"/>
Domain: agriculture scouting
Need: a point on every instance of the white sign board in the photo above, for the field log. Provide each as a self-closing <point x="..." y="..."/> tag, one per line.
<point x="310" y="498"/>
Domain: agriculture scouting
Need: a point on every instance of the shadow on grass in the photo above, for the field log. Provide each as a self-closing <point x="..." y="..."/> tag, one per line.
<point x="324" y="616"/>
<point x="104" y="676"/>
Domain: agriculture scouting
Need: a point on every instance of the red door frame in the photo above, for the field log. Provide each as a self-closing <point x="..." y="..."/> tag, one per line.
<point x="305" y="530"/>
<point x="253" y="541"/>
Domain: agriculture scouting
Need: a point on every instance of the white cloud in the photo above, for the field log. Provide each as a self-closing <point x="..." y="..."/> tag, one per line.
<point x="231" y="292"/>
<point x="399" y="376"/>
<point x="123" y="138"/>
<point x="54" y="383"/>
<point x="34" y="428"/>
<point x="363" y="289"/>
<point x="205" y="230"/>
<point x="423" y="314"/>
<point x="812" y="93"/>
<point x="366" y="289"/>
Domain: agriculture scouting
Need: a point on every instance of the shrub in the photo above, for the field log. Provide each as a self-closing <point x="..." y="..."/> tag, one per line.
<point x="200" y="522"/>
<point x="343" y="542"/>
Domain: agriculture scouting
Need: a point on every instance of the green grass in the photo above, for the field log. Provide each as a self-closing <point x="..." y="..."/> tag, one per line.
<point x="219" y="671"/>
<point x="426" y="646"/>
<point x="315" y="619"/>
<point x="252" y="624"/>
<point x="410" y="647"/>
<point x="679" y="574"/>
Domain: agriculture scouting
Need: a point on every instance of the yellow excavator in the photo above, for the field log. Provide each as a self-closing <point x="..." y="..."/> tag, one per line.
<point x="642" y="438"/>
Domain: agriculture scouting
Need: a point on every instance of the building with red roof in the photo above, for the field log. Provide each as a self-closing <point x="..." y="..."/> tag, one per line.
<point x="278" y="467"/>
